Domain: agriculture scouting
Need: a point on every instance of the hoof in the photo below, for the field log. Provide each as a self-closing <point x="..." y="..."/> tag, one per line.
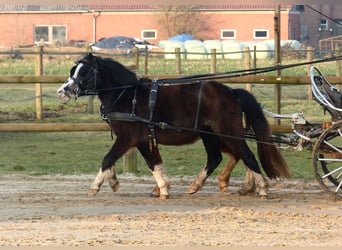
<point x="164" y="196"/>
<point x="262" y="193"/>
<point x="222" y="184"/>
<point x="93" y="192"/>
<point x="115" y="187"/>
<point x="155" y="192"/>
<point x="223" y="189"/>
<point x="192" y="190"/>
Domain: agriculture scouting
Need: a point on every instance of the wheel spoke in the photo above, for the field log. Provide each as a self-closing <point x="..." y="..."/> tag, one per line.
<point x="338" y="187"/>
<point x="332" y="172"/>
<point x="339" y="132"/>
<point x="328" y="171"/>
<point x="329" y="159"/>
<point x="333" y="147"/>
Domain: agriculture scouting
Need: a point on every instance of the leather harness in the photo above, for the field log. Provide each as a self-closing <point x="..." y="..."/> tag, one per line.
<point x="132" y="117"/>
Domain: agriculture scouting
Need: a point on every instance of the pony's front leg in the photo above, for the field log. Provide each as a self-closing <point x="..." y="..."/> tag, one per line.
<point x="214" y="157"/>
<point x="154" y="162"/>
<point x="101" y="176"/>
<point x="107" y="171"/>
<point x="162" y="189"/>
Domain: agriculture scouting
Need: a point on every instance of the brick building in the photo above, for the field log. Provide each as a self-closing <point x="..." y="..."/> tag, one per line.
<point x="59" y="22"/>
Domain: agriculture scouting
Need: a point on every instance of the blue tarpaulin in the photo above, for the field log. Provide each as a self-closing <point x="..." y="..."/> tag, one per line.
<point x="182" y="38"/>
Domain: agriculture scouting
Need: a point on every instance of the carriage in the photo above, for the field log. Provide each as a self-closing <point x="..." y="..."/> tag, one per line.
<point x="143" y="112"/>
<point x="324" y="139"/>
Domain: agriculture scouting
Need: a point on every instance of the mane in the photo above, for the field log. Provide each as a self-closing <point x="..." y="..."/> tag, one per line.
<point x="116" y="73"/>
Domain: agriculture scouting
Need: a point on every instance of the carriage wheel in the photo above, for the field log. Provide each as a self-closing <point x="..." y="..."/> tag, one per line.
<point x="327" y="160"/>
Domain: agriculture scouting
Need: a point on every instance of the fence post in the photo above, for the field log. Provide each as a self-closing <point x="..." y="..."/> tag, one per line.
<point x="39" y="72"/>
<point x="254" y="57"/>
<point x="178" y="61"/>
<point x="130" y="161"/>
<point x="247" y="60"/>
<point x="309" y="58"/>
<point x="136" y="57"/>
<point x="146" y="60"/>
<point x="277" y="57"/>
<point x="90" y="104"/>
<point x="338" y="62"/>
<point x="213" y="61"/>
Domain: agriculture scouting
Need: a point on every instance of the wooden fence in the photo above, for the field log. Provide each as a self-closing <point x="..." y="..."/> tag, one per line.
<point x="249" y="62"/>
<point x="130" y="158"/>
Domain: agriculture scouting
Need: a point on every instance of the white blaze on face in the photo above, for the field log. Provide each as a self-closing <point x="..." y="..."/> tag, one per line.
<point x="69" y="85"/>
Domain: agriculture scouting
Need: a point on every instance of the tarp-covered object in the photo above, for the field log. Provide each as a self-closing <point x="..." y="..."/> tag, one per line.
<point x="121" y="44"/>
<point x="182" y="38"/>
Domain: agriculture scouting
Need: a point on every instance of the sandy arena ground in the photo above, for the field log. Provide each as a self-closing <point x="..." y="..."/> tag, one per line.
<point x="56" y="211"/>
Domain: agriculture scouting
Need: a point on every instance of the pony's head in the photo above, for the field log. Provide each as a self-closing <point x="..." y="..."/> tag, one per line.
<point x="92" y="75"/>
<point x="82" y="78"/>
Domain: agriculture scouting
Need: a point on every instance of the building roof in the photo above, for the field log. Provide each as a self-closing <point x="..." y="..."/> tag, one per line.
<point x="117" y="5"/>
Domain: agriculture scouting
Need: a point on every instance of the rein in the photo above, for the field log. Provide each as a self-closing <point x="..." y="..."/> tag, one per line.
<point x="212" y="76"/>
<point x="155" y="84"/>
<point x="243" y="72"/>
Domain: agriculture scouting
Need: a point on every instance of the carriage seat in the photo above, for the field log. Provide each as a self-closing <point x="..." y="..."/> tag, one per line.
<point x="331" y="93"/>
<point x="333" y="96"/>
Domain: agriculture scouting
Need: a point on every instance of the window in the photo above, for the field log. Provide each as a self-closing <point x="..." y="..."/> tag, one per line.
<point x="228" y="34"/>
<point x="51" y="34"/>
<point x="260" y="34"/>
<point x="149" y="34"/>
<point x="323" y="25"/>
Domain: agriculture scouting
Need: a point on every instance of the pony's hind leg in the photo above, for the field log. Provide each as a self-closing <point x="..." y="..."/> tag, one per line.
<point x="249" y="184"/>
<point x="212" y="146"/>
<point x="224" y="175"/>
<point x="253" y="174"/>
<point x="251" y="179"/>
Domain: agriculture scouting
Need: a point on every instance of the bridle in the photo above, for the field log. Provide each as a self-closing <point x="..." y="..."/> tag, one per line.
<point x="79" y="91"/>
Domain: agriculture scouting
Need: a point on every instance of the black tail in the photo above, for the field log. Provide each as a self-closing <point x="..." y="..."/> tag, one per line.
<point x="271" y="160"/>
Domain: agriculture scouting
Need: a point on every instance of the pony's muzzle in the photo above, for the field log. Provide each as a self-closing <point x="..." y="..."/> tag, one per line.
<point x="66" y="90"/>
<point x="62" y="93"/>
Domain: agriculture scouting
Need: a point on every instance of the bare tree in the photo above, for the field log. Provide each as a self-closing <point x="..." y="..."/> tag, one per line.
<point x="182" y="19"/>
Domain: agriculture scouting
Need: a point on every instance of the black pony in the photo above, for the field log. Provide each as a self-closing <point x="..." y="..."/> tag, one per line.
<point x="143" y="112"/>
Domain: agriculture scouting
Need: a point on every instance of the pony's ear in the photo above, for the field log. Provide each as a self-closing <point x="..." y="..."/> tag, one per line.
<point x="88" y="58"/>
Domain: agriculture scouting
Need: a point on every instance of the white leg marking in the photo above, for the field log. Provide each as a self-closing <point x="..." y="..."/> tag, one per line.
<point x="99" y="179"/>
<point x="202" y="176"/>
<point x="161" y="179"/>
<point x="259" y="183"/>
<point x="198" y="182"/>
